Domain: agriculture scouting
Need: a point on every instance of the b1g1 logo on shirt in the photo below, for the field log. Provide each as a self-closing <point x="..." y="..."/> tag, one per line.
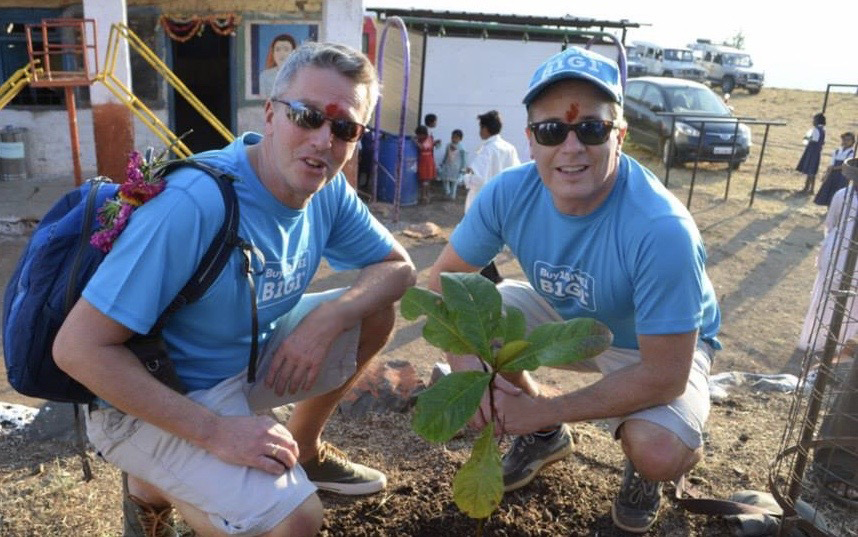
<point x="283" y="280"/>
<point x="564" y="283"/>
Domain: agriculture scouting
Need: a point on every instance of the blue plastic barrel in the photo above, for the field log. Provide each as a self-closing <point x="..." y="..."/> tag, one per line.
<point x="387" y="169"/>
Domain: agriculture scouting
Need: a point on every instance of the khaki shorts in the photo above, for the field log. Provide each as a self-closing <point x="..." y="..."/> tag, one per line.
<point x="685" y="416"/>
<point x="239" y="500"/>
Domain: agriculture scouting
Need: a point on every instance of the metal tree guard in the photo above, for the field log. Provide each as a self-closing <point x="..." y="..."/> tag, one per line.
<point x="400" y="154"/>
<point x="817" y="462"/>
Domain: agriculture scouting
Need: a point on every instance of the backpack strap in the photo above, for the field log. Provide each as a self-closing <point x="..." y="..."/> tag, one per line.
<point x="216" y="257"/>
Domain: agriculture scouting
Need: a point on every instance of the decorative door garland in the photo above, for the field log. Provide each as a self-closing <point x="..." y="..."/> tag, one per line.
<point x="182" y="28"/>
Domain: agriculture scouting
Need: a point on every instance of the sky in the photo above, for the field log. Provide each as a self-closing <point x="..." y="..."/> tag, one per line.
<point x="806" y="45"/>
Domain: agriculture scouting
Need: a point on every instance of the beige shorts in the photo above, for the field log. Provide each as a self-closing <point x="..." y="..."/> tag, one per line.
<point x="685" y="416"/>
<point x="239" y="500"/>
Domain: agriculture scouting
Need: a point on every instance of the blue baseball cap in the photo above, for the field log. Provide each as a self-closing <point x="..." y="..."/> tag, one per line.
<point x="583" y="64"/>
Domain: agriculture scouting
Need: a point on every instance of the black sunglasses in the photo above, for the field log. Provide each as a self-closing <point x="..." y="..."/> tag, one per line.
<point x="307" y="117"/>
<point x="590" y="132"/>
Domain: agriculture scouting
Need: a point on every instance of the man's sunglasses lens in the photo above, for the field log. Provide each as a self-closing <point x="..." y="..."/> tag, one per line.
<point x="310" y="118"/>
<point x="555" y="132"/>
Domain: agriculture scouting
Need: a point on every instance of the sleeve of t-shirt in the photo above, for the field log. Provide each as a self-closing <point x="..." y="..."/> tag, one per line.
<point x="478" y="238"/>
<point x="669" y="276"/>
<point x="156" y="254"/>
<point x="814" y="134"/>
<point x="357" y="238"/>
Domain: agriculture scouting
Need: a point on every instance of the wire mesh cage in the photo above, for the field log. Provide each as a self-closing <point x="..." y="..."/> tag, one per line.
<point x="814" y="476"/>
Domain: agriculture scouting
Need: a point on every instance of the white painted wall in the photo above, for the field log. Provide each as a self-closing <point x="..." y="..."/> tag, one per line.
<point x="342" y="22"/>
<point x="465" y="77"/>
<point x="106" y="14"/>
<point x="48" y="148"/>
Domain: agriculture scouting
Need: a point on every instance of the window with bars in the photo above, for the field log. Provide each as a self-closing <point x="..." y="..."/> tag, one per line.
<point x="13" y="53"/>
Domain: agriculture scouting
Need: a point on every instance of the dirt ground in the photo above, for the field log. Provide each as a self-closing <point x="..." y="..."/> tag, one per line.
<point x="761" y="261"/>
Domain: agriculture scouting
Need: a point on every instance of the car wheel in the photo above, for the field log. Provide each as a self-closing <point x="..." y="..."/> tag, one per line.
<point x="727" y="84"/>
<point x="754" y="91"/>
<point x="667" y="73"/>
<point x="734" y="164"/>
<point x="668" y="157"/>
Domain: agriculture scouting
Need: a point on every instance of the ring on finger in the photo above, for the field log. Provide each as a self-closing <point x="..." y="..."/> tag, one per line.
<point x="274" y="449"/>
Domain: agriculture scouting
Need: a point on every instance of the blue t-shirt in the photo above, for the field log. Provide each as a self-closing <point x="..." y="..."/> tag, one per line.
<point x="209" y="340"/>
<point x="636" y="263"/>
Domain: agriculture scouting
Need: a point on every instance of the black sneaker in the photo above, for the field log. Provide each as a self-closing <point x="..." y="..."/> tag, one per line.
<point x="636" y="507"/>
<point x="143" y="520"/>
<point x="531" y="453"/>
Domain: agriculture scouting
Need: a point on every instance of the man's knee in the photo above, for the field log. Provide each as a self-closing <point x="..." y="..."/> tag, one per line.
<point x="656" y="453"/>
<point x="305" y="521"/>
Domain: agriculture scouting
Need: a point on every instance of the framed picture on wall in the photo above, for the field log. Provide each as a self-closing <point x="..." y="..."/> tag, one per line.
<point x="268" y="44"/>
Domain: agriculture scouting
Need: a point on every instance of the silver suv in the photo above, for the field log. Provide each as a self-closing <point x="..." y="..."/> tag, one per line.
<point x="728" y="67"/>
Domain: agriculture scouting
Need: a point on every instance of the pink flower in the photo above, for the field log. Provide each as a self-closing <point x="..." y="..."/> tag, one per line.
<point x="140" y="186"/>
<point x="113" y="217"/>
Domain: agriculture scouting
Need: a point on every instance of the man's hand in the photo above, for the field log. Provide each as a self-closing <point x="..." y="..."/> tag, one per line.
<point x="519" y="413"/>
<point x="500" y="385"/>
<point x="255" y="441"/>
<point x="296" y="364"/>
<point x="500" y="388"/>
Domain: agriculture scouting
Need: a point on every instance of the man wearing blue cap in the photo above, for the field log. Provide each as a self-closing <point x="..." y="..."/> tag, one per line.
<point x="597" y="235"/>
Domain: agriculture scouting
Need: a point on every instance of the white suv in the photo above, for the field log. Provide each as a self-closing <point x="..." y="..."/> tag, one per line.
<point x="677" y="62"/>
<point x="728" y="67"/>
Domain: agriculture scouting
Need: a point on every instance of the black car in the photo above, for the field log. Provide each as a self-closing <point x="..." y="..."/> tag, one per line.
<point x="653" y="104"/>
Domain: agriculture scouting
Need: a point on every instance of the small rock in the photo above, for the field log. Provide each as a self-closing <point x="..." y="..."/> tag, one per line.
<point x="392" y="386"/>
<point x="425" y="230"/>
<point x="440" y="369"/>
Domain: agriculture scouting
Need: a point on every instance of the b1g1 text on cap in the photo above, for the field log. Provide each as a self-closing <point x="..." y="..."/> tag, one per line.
<point x="576" y="62"/>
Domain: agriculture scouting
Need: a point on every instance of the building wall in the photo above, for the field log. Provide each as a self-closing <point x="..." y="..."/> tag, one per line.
<point x="48" y="147"/>
<point x="190" y="6"/>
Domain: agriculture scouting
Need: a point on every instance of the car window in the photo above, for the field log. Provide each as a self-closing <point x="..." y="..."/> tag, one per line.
<point x="678" y="55"/>
<point x="742" y="60"/>
<point x="652" y="97"/>
<point x="634" y="91"/>
<point x="701" y="100"/>
<point x="681" y="101"/>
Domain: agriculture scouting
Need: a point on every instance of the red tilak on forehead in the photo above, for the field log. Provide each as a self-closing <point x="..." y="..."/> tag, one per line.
<point x="331" y="110"/>
<point x="572" y="113"/>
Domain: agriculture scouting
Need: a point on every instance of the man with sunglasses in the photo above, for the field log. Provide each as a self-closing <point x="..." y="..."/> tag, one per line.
<point x="598" y="236"/>
<point x="212" y="452"/>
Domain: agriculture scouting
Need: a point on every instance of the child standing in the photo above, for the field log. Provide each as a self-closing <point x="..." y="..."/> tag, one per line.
<point x="808" y="164"/>
<point x="834" y="179"/>
<point x="452" y="165"/>
<point x="425" y="161"/>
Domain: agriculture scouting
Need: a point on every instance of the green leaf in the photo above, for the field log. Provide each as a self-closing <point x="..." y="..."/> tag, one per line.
<point x="510" y="350"/>
<point x="563" y="343"/>
<point x="440" y="329"/>
<point x="475" y="305"/>
<point x="447" y="406"/>
<point x="512" y="326"/>
<point x="478" y="485"/>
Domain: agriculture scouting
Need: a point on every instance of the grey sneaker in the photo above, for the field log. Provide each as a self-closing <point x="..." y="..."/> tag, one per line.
<point x="529" y="454"/>
<point x="636" y="507"/>
<point x="143" y="520"/>
<point x="332" y="470"/>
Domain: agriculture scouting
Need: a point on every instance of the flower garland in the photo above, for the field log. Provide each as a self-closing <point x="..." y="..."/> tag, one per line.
<point x="142" y="183"/>
<point x="183" y="29"/>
